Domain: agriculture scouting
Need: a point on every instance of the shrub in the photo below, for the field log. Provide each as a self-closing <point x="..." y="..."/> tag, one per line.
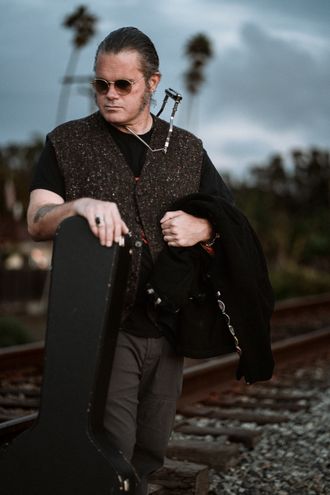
<point x="12" y="332"/>
<point x="293" y="280"/>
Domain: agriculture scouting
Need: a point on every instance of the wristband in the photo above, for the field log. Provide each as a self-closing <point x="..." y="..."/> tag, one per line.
<point x="210" y="242"/>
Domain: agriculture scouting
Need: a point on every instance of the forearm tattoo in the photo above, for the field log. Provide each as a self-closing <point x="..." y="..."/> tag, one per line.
<point x="43" y="211"/>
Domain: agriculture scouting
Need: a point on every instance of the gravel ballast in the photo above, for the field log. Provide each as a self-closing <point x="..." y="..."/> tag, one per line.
<point x="291" y="458"/>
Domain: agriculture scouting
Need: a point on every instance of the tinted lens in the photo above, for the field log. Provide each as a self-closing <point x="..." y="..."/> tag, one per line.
<point x="101" y="86"/>
<point x="122" y="86"/>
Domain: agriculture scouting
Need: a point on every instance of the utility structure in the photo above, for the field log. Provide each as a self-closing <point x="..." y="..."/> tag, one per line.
<point x="83" y="23"/>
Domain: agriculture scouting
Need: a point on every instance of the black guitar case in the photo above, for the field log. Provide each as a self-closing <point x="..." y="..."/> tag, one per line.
<point x="67" y="451"/>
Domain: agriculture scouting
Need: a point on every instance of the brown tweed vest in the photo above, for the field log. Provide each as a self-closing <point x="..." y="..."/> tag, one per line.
<point x="93" y="166"/>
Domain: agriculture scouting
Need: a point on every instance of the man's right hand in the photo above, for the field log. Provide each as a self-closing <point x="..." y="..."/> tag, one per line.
<point x="47" y="210"/>
<point x="104" y="219"/>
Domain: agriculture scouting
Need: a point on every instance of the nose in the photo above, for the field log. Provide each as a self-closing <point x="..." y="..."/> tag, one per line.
<point x="112" y="93"/>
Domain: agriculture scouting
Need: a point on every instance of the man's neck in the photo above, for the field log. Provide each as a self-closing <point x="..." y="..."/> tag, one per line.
<point x="140" y="128"/>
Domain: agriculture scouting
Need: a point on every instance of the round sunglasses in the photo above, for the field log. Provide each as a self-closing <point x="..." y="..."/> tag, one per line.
<point x="122" y="86"/>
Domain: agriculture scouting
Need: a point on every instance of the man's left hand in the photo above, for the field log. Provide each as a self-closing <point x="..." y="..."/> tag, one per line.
<point x="181" y="229"/>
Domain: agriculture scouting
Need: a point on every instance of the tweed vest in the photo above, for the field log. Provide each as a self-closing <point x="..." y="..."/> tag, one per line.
<point x="93" y="166"/>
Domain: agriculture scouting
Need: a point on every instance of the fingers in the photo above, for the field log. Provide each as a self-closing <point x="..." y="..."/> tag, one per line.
<point x="104" y="220"/>
<point x="120" y="229"/>
<point x="181" y="229"/>
<point x="170" y="215"/>
<point x="111" y="228"/>
<point x="170" y="225"/>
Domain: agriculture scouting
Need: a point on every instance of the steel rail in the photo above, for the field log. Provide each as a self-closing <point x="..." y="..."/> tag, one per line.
<point x="289" y="306"/>
<point x="218" y="372"/>
<point x="21" y="356"/>
<point x="15" y="357"/>
<point x="198" y="379"/>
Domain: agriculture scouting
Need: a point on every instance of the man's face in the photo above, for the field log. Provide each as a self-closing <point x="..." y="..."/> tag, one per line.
<point x="131" y="109"/>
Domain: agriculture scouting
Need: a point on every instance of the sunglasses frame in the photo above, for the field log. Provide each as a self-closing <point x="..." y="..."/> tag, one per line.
<point x="120" y="91"/>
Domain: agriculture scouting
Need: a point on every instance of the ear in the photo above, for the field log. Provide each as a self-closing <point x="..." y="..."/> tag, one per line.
<point x="154" y="81"/>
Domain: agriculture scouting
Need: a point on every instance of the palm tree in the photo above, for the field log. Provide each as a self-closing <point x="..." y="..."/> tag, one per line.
<point x="83" y="24"/>
<point x="198" y="50"/>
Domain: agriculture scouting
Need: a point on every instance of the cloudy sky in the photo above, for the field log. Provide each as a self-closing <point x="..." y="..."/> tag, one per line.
<point x="267" y="88"/>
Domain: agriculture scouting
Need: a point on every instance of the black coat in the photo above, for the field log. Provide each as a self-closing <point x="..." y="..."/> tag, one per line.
<point x="203" y="300"/>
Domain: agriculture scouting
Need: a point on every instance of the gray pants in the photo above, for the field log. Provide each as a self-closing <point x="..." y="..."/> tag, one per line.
<point x="145" y="383"/>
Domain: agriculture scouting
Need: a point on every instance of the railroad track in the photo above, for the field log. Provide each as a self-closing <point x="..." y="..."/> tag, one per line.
<point x="218" y="418"/>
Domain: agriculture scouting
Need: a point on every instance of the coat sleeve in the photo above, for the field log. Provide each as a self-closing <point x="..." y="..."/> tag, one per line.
<point x="211" y="181"/>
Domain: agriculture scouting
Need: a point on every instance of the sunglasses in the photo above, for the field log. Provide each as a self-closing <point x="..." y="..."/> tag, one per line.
<point x="122" y="86"/>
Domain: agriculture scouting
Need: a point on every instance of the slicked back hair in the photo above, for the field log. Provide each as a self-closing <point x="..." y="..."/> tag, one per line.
<point x="131" y="39"/>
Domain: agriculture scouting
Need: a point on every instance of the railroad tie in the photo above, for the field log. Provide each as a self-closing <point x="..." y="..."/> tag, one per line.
<point x="180" y="478"/>
<point x="250" y="402"/>
<point x="198" y="410"/>
<point x="249" y="438"/>
<point x="213" y="454"/>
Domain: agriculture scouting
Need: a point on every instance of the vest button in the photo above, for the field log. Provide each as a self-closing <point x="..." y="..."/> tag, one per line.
<point x="138" y="244"/>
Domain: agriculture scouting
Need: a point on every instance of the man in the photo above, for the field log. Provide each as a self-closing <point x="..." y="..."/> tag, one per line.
<point x="105" y="168"/>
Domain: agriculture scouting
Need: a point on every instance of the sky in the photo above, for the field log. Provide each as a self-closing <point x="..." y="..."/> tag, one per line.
<point x="267" y="87"/>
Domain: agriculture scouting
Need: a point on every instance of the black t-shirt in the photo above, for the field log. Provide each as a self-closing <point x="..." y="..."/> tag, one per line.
<point x="48" y="176"/>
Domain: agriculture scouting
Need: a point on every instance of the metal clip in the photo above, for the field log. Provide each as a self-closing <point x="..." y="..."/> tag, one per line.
<point x="222" y="307"/>
<point x="124" y="484"/>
